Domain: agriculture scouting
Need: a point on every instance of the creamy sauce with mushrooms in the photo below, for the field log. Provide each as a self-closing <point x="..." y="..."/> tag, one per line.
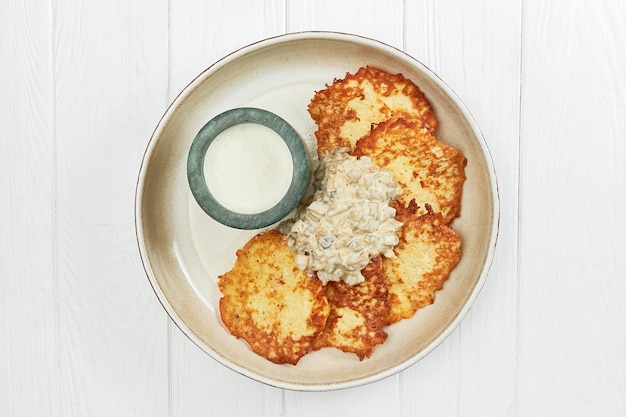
<point x="349" y="221"/>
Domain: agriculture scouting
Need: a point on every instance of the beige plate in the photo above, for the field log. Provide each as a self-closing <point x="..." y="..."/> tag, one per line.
<point x="183" y="250"/>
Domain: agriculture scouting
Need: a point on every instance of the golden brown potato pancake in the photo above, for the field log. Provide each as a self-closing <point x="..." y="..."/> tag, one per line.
<point x="346" y="110"/>
<point x="429" y="171"/>
<point x="277" y="308"/>
<point x="357" y="313"/>
<point x="427" y="252"/>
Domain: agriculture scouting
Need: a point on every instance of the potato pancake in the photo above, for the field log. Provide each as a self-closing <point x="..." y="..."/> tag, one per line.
<point x="357" y="313"/>
<point x="267" y="301"/>
<point x="427" y="252"/>
<point x="429" y="171"/>
<point x="346" y="110"/>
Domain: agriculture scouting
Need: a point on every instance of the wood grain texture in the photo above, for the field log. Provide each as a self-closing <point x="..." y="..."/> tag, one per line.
<point x="366" y="18"/>
<point x="28" y="298"/>
<point x="111" y="74"/>
<point x="572" y="245"/>
<point x="204" y="32"/>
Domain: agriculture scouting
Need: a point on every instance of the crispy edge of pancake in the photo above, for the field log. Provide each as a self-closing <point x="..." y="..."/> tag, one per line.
<point x="330" y="108"/>
<point x="357" y="313"/>
<point x="270" y="303"/>
<point x="428" y="170"/>
<point x="426" y="254"/>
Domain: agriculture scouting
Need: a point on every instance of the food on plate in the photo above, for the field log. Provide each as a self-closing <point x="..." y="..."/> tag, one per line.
<point x="357" y="313"/>
<point x="429" y="171"/>
<point x="346" y="110"/>
<point x="427" y="252"/>
<point x="349" y="221"/>
<point x="374" y="242"/>
<point x="272" y="304"/>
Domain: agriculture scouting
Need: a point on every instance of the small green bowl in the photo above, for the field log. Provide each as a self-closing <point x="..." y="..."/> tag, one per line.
<point x="197" y="181"/>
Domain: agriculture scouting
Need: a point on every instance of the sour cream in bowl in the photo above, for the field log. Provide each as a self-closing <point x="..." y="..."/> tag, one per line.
<point x="247" y="168"/>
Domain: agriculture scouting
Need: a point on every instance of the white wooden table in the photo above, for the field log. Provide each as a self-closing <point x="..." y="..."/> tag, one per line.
<point x="83" y="85"/>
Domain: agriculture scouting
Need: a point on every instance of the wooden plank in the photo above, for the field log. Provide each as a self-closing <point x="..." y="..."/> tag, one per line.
<point x="573" y="190"/>
<point x="200" y="34"/>
<point x="475" y="48"/>
<point x="28" y="300"/>
<point x="111" y="77"/>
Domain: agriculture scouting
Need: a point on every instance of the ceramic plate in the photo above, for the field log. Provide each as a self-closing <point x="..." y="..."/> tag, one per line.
<point x="183" y="250"/>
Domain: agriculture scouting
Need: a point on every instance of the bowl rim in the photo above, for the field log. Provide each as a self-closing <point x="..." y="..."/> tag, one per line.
<point x="329" y="36"/>
<point x="197" y="180"/>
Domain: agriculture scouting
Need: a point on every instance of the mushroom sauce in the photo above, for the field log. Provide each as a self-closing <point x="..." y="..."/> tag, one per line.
<point x="349" y="220"/>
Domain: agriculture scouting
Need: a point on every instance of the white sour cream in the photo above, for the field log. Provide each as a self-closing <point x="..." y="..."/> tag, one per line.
<point x="248" y="168"/>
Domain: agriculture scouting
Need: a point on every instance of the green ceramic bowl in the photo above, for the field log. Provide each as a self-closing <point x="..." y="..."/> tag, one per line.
<point x="198" y="182"/>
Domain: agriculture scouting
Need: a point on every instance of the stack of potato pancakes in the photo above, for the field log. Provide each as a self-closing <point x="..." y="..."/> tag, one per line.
<point x="284" y="312"/>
